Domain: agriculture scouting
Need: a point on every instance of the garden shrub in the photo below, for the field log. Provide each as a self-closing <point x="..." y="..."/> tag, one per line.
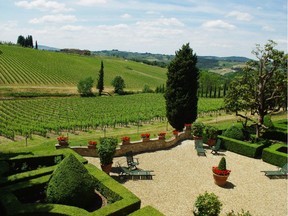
<point x="272" y="156"/>
<point x="268" y="122"/>
<point x="234" y="133"/>
<point x="242" y="213"/>
<point x="244" y="148"/>
<point x="71" y="184"/>
<point x="207" y="204"/>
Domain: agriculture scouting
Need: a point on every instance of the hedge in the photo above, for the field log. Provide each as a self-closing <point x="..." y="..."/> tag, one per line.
<point x="244" y="148"/>
<point x="272" y="156"/>
<point x="147" y="211"/>
<point x="123" y="202"/>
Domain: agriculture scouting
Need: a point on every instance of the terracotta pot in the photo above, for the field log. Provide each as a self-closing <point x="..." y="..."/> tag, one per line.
<point x="63" y="143"/>
<point x="125" y="142"/>
<point x="161" y="137"/>
<point x="106" y="168"/>
<point x="220" y="180"/>
<point x="91" y="146"/>
<point x="211" y="142"/>
<point x="197" y="138"/>
<point x="145" y="139"/>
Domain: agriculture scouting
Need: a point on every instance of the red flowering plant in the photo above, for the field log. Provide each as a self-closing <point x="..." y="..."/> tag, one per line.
<point x="162" y="134"/>
<point x="175" y="132"/>
<point x="221" y="168"/>
<point x="92" y="142"/>
<point x="145" y="135"/>
<point x="62" y="138"/>
<point x="125" y="139"/>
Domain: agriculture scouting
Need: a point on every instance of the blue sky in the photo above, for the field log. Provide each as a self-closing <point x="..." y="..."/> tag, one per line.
<point x="221" y="28"/>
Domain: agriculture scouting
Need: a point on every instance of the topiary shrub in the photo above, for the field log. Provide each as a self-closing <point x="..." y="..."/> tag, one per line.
<point x="234" y="133"/>
<point x="207" y="204"/>
<point x="222" y="164"/>
<point x="242" y="213"/>
<point x="71" y="184"/>
<point x="268" y="122"/>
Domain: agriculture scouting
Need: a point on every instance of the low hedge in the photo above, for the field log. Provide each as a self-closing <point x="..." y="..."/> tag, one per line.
<point x="147" y="211"/>
<point x="244" y="148"/>
<point x="122" y="201"/>
<point x="272" y="156"/>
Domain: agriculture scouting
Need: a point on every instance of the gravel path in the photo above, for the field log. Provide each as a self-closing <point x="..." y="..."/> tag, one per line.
<point x="181" y="175"/>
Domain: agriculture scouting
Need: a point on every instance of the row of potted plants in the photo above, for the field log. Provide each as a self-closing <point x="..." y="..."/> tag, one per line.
<point x="198" y="129"/>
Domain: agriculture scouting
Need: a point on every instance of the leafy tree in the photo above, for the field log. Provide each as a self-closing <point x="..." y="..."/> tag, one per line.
<point x="263" y="87"/>
<point x="181" y="88"/>
<point x="100" y="83"/>
<point x="147" y="89"/>
<point x="21" y="40"/>
<point x="118" y="84"/>
<point x="85" y="87"/>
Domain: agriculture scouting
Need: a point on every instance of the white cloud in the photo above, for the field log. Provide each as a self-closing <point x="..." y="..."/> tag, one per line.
<point x="72" y="28"/>
<point x="54" y="19"/>
<point x="218" y="24"/>
<point x="240" y="15"/>
<point x="43" y="5"/>
<point x="162" y="22"/>
<point x="268" y="28"/>
<point x="91" y="2"/>
<point x="126" y="16"/>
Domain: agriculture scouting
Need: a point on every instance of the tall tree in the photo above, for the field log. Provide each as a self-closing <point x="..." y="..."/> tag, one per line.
<point x="181" y="88"/>
<point x="263" y="88"/>
<point x="100" y="83"/>
<point x="85" y="87"/>
<point x="21" y="40"/>
<point x="118" y="84"/>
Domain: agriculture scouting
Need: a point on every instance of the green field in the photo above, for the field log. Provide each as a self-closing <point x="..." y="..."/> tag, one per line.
<point x="55" y="115"/>
<point x="24" y="67"/>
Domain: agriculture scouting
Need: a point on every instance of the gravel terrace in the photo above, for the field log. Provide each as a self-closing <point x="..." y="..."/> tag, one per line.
<point x="181" y="175"/>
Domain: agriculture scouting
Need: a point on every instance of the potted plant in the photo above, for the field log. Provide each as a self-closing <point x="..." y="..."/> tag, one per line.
<point x="211" y="133"/>
<point x="175" y="133"/>
<point x="161" y="135"/>
<point x="145" y="137"/>
<point x="220" y="173"/>
<point x="125" y="140"/>
<point x="92" y="144"/>
<point x="197" y="130"/>
<point x="63" y="140"/>
<point x="106" y="150"/>
<point x="188" y="126"/>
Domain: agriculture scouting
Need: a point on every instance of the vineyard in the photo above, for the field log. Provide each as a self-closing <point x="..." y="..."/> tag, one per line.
<point x="55" y="115"/>
<point x="30" y="67"/>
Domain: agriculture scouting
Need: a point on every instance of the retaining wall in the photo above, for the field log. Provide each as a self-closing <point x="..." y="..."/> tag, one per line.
<point x="137" y="146"/>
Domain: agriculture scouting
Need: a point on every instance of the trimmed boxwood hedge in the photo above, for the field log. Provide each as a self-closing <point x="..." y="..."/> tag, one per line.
<point x="147" y="211"/>
<point x="248" y="149"/>
<point x="121" y="200"/>
<point x="272" y="156"/>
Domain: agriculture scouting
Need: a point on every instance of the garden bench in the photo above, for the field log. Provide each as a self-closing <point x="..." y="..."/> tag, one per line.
<point x="135" y="174"/>
<point x="281" y="172"/>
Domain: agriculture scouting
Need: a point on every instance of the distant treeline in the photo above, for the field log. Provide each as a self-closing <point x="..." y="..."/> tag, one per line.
<point x="76" y="51"/>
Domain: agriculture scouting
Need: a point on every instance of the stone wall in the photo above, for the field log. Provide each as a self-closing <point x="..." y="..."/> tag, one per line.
<point x="137" y="146"/>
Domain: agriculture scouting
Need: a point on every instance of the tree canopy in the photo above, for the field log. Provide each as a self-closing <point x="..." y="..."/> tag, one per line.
<point x="100" y="83"/>
<point x="181" y="88"/>
<point x="262" y="89"/>
<point x="85" y="86"/>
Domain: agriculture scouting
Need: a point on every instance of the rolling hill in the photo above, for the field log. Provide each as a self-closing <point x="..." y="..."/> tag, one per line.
<point x="27" y="68"/>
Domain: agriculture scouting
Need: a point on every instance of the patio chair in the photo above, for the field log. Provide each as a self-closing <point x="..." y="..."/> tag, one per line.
<point x="131" y="163"/>
<point x="216" y="147"/>
<point x="283" y="171"/>
<point x="199" y="148"/>
<point x="135" y="174"/>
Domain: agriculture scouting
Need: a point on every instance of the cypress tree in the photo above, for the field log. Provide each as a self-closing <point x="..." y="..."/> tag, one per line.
<point x="181" y="88"/>
<point x="100" y="83"/>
